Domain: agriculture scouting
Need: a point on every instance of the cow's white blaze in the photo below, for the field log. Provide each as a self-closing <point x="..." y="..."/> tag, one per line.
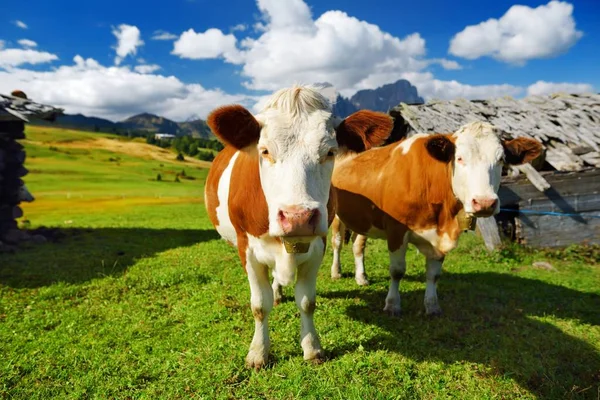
<point x="297" y="148"/>
<point x="478" y="162"/>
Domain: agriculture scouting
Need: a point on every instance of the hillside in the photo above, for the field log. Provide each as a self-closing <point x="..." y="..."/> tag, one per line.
<point x="380" y="99"/>
<point x="139" y="123"/>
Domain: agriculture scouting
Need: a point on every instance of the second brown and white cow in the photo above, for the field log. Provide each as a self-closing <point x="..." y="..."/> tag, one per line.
<point x="268" y="193"/>
<point x="416" y="191"/>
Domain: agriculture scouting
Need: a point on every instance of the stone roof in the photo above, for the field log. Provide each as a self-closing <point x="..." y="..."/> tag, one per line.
<point x="17" y="107"/>
<point x="568" y="125"/>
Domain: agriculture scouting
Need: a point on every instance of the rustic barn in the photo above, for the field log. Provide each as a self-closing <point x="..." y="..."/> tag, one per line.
<point x="556" y="200"/>
<point x="15" y="110"/>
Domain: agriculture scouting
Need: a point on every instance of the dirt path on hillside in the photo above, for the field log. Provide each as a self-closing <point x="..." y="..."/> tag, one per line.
<point x="136" y="149"/>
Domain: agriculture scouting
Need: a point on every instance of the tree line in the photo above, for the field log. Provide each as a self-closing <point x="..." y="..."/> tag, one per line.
<point x="189" y="146"/>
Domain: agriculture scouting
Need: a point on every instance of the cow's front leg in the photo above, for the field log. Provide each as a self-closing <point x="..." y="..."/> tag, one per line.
<point x="433" y="272"/>
<point x="338" y="231"/>
<point x="305" y="293"/>
<point x="261" y="302"/>
<point x="397" y="271"/>
<point x="277" y="292"/>
<point x="358" y="248"/>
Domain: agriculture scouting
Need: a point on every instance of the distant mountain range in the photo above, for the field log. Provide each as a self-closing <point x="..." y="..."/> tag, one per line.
<point x="380" y="99"/>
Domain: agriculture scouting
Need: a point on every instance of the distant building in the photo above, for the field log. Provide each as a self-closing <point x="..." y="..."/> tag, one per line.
<point x="164" y="136"/>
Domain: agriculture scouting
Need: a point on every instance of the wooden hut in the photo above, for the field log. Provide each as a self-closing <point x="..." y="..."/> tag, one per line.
<point x="15" y="110"/>
<point x="556" y="200"/>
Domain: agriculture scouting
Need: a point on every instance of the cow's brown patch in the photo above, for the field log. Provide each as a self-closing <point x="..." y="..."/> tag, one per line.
<point x="219" y="165"/>
<point x="363" y="130"/>
<point x="395" y="192"/>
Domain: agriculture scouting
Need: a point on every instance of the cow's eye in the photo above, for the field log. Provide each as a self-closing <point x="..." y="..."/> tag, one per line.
<point x="459" y="160"/>
<point x="264" y="153"/>
<point x="330" y="153"/>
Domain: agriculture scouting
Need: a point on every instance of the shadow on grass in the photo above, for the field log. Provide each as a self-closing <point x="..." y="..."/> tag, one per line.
<point x="77" y="255"/>
<point x="496" y="320"/>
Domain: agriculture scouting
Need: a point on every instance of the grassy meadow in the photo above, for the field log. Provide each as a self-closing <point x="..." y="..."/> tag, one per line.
<point x="135" y="297"/>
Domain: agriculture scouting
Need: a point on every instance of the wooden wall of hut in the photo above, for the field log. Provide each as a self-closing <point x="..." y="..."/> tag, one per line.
<point x="567" y="213"/>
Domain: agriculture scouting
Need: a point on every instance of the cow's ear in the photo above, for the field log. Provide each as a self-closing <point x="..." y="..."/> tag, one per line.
<point x="521" y="150"/>
<point x="363" y="130"/>
<point x="441" y="147"/>
<point x="234" y="125"/>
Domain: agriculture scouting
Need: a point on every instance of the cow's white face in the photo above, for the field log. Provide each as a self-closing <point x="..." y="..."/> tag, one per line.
<point x="296" y="139"/>
<point x="478" y="161"/>
<point x="478" y="153"/>
<point x="296" y="164"/>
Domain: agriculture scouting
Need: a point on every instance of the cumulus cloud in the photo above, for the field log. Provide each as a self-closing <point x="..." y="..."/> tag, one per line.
<point x="350" y="53"/>
<point x="27" y="43"/>
<point x="210" y="44"/>
<point x="541" y="88"/>
<point x="128" y="40"/>
<point x="21" y="24"/>
<point x="163" y="35"/>
<point x="239" y="27"/>
<point x="431" y="88"/>
<point x="522" y="34"/>
<point x="337" y="48"/>
<point x="10" y="58"/>
<point x="146" y="68"/>
<point x="116" y="92"/>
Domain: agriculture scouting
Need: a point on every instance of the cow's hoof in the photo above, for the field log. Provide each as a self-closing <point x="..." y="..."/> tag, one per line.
<point x="392" y="311"/>
<point x="256" y="360"/>
<point x="336" y="276"/>
<point x="362" y="280"/>
<point x="433" y="310"/>
<point x="315" y="356"/>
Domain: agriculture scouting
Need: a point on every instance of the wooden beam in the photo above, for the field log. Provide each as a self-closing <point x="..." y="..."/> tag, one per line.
<point x="534" y="177"/>
<point x="489" y="231"/>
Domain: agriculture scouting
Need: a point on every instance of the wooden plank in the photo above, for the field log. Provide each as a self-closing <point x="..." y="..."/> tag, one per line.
<point x="489" y="232"/>
<point x="515" y="190"/>
<point x="534" y="177"/>
<point x="553" y="231"/>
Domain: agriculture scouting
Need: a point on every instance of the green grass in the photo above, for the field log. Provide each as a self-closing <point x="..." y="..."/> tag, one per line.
<point x="138" y="298"/>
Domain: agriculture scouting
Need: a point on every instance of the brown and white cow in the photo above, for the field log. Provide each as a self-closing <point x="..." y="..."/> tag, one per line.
<point x="268" y="193"/>
<point x="417" y="191"/>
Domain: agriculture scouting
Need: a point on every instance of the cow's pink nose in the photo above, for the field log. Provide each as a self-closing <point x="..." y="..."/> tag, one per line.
<point x="484" y="204"/>
<point x="298" y="221"/>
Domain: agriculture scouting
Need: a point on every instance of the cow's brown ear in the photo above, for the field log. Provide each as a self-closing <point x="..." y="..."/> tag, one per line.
<point x="363" y="130"/>
<point x="234" y="125"/>
<point x="521" y="150"/>
<point x="440" y="147"/>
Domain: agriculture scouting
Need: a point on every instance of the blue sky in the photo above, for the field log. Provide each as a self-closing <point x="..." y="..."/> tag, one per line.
<point x="240" y="50"/>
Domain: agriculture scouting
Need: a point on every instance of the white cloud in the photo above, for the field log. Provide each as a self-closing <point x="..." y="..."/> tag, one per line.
<point x="448" y="64"/>
<point x="522" y="34"/>
<point x="27" y="43"/>
<point x="337" y="48"/>
<point x="163" y="35"/>
<point x="10" y="58"/>
<point x="210" y="44"/>
<point x="239" y="27"/>
<point x="128" y="40"/>
<point x="541" y="88"/>
<point x="21" y="24"/>
<point x="116" y="92"/>
<point x="146" y="68"/>
<point x="2" y="44"/>
<point x="431" y="88"/>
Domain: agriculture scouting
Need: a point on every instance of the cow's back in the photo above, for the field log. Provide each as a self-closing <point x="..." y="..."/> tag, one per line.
<point x="394" y="188"/>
